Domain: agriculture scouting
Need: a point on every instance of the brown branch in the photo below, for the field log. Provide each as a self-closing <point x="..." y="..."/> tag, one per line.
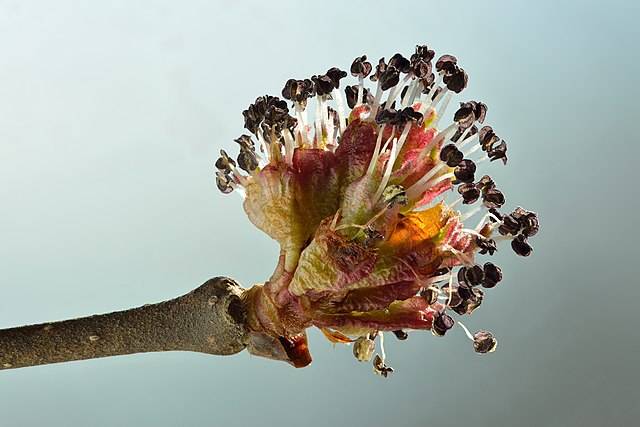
<point x="210" y="319"/>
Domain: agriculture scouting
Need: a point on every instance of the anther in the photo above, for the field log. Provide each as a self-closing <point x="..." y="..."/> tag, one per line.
<point x="484" y="342"/>
<point x="492" y="275"/>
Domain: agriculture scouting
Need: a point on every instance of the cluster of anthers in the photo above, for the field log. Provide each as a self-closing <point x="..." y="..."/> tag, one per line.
<point x="356" y="200"/>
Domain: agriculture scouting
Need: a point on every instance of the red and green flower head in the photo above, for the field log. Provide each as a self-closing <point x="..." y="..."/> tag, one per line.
<point x="371" y="203"/>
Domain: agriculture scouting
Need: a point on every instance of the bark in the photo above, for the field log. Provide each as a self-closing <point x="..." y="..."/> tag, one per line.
<point x="210" y="319"/>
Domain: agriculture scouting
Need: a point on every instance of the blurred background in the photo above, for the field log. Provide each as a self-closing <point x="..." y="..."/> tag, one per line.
<point x="112" y="115"/>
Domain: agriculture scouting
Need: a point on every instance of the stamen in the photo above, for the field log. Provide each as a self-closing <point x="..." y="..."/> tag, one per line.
<point x="421" y="184"/>
<point x="442" y="109"/>
<point x="384" y="356"/>
<point x="443" y="135"/>
<point x="462" y="142"/>
<point x="263" y="144"/>
<point x="472" y="150"/>
<point x="337" y="95"/>
<point x="461" y="256"/>
<point x="318" y="123"/>
<point x="289" y="146"/>
<point x="466" y="331"/>
<point x="433" y="89"/>
<point x="238" y="175"/>
<point x="410" y="95"/>
<point x="239" y="189"/>
<point x="472" y="212"/>
<point x="376" y="102"/>
<point x="386" y="144"/>
<point x="472" y="232"/>
<point x="480" y="160"/>
<point x="450" y="291"/>
<point x="441" y="95"/>
<point x="360" y="101"/>
<point x="387" y="172"/>
<point x="396" y="89"/>
<point x="302" y="123"/>
<point x="374" y="157"/>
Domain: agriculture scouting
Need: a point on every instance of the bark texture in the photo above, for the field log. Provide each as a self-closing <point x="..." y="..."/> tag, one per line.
<point x="210" y="319"/>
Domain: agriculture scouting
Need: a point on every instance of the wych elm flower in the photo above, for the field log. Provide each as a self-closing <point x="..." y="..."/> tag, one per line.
<point x="358" y="200"/>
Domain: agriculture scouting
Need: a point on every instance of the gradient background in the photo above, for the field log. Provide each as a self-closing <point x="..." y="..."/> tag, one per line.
<point x="112" y="114"/>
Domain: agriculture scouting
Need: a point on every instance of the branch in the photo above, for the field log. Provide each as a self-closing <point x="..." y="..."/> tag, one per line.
<point x="209" y="319"/>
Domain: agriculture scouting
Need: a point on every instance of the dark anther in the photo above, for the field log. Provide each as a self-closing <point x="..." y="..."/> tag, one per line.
<point x="335" y="74"/>
<point x="408" y="114"/>
<point x="361" y="67"/>
<point x="468" y="305"/>
<point x="456" y="81"/>
<point x="498" y="152"/>
<point x="401" y="63"/>
<point x="520" y="246"/>
<point x="509" y="227"/>
<point x="462" y="279"/>
<point x="451" y="155"/>
<point x="469" y="192"/>
<point x="386" y="116"/>
<point x="423" y="53"/>
<point x="223" y="182"/>
<point x="486" y="245"/>
<point x="421" y="69"/>
<point x="224" y="163"/>
<point x="351" y="93"/>
<point x="492" y="275"/>
<point x="271" y="110"/>
<point x="298" y="90"/>
<point x="486" y="183"/>
<point x="474" y="275"/>
<point x="465" y="292"/>
<point x="247" y="160"/>
<point x="401" y="335"/>
<point x="394" y="194"/>
<point x="465" y="171"/>
<point x="430" y="295"/>
<point x="289" y="89"/>
<point x="487" y="138"/>
<point x="322" y="84"/>
<point x="484" y="342"/>
<point x="389" y="78"/>
<point x="460" y="131"/>
<point x="426" y="83"/>
<point x="528" y="221"/>
<point x="447" y="63"/>
<point x="495" y="214"/>
<point x="465" y="116"/>
<point x="245" y="142"/>
<point x="451" y="295"/>
<point x="380" y="69"/>
<point x="380" y="368"/>
<point x="436" y="93"/>
<point x="442" y="322"/>
<point x="480" y="111"/>
<point x="492" y="197"/>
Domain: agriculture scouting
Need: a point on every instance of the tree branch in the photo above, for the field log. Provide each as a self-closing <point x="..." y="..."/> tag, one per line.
<point x="210" y="319"/>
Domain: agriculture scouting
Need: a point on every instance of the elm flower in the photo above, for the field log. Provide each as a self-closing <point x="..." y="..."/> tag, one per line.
<point x="359" y="198"/>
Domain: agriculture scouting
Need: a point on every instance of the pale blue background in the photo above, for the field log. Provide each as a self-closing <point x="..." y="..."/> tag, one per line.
<point x="111" y="116"/>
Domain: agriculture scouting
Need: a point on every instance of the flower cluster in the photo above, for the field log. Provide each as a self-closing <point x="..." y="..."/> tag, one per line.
<point x="357" y="201"/>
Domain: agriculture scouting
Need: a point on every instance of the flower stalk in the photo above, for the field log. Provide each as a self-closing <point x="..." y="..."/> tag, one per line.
<point x="210" y="319"/>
